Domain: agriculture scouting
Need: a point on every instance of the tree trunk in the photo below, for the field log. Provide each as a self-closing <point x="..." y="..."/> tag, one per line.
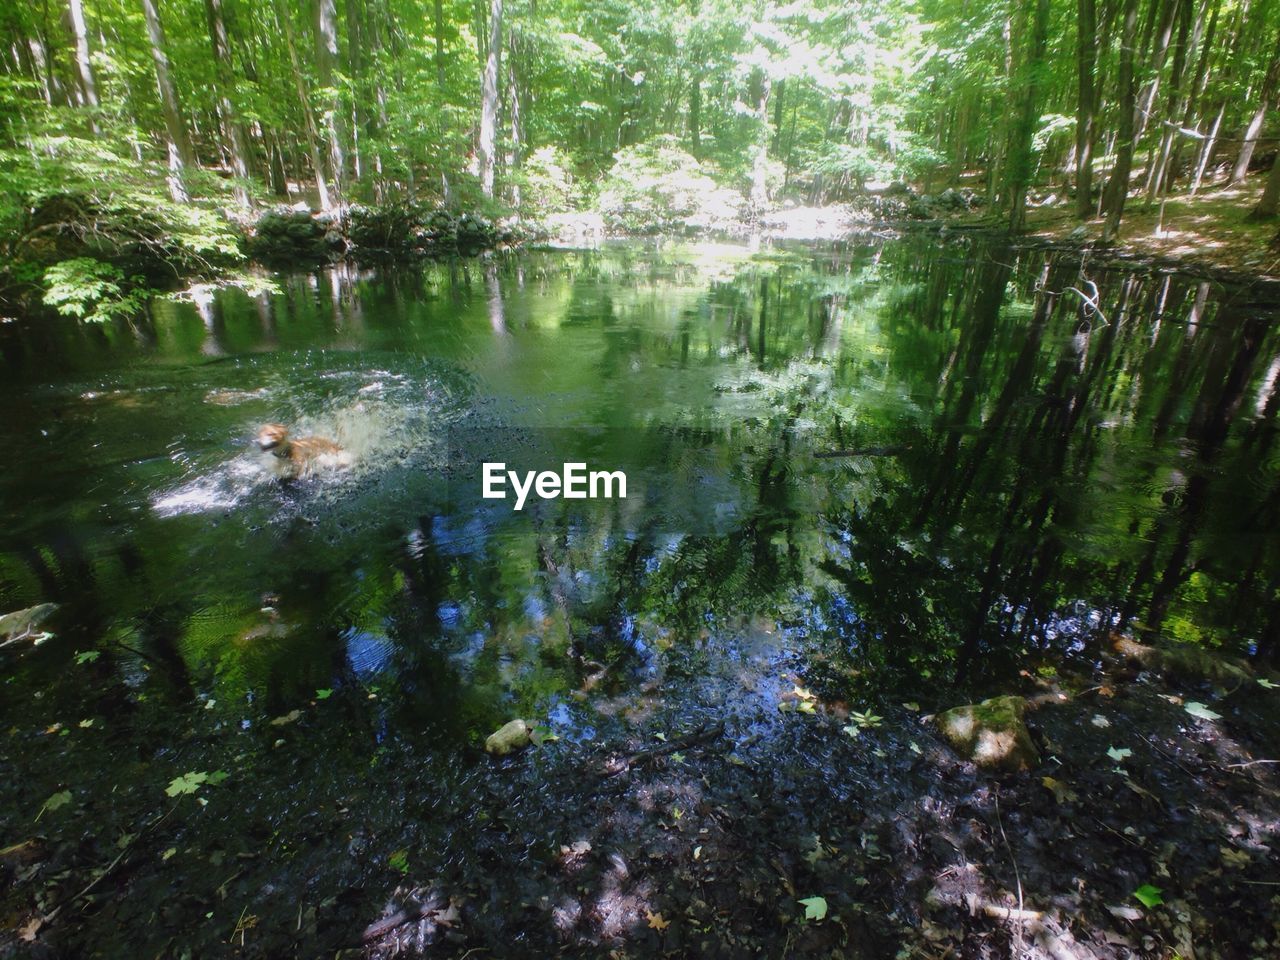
<point x="84" y="69"/>
<point x="1087" y="66"/>
<point x="1265" y="98"/>
<point x="1269" y="205"/>
<point x="439" y="30"/>
<point x="695" y="116"/>
<point x="1118" y="185"/>
<point x="326" y="56"/>
<point x="179" y="144"/>
<point x="760" y="163"/>
<point x="304" y="100"/>
<point x="232" y="131"/>
<point x="489" y="99"/>
<point x="1020" y="159"/>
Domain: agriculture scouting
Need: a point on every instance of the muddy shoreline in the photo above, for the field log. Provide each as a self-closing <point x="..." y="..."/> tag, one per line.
<point x="566" y="849"/>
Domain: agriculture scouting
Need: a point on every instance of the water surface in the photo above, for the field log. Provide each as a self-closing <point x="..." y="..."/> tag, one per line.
<point x="879" y="468"/>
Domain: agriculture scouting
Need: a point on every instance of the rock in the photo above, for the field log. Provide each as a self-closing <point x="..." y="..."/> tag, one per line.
<point x="1184" y="661"/>
<point x="509" y="737"/>
<point x="25" y="624"/>
<point x="991" y="733"/>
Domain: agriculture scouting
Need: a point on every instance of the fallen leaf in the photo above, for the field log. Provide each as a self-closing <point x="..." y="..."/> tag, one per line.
<point x="1125" y="913"/>
<point x="655" y="921"/>
<point x="1061" y="792"/>
<point x="815" y="908"/>
<point x="1119" y="753"/>
<point x="1201" y="711"/>
<point x="1235" y="858"/>
<point x="1149" y="895"/>
<point x="577" y="849"/>
<point x="58" y="800"/>
<point x="399" y="861"/>
<point x="28" y="931"/>
<point x="289" y="717"/>
<point x="1100" y="721"/>
<point x="187" y="783"/>
<point x="324" y="693"/>
<point x="1267" y="684"/>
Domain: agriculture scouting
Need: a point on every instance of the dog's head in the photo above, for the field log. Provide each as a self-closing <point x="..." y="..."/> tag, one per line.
<point x="272" y="435"/>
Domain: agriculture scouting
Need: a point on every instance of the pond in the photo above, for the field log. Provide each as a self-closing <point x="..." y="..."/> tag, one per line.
<point x="888" y="470"/>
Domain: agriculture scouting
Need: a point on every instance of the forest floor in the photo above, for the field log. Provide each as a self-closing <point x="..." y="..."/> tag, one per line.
<point x="701" y="820"/>
<point x="1207" y="233"/>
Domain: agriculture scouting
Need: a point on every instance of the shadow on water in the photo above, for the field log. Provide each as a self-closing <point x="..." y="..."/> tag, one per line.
<point x="884" y="471"/>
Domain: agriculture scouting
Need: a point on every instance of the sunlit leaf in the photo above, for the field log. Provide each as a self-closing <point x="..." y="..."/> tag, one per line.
<point x="1149" y="895"/>
<point x="187" y="783"/>
<point x="1119" y="753"/>
<point x="1201" y="711"/>
<point x="815" y="908"/>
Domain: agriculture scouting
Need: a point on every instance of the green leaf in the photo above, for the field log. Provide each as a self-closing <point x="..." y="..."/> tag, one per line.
<point x="815" y="908"/>
<point x="1119" y="753"/>
<point x="1267" y="684"/>
<point x="399" y="861"/>
<point x="217" y="777"/>
<point x="1149" y="895"/>
<point x="87" y="656"/>
<point x="1201" y="711"/>
<point x="187" y="783"/>
<point x="324" y="693"/>
<point x="58" y="800"/>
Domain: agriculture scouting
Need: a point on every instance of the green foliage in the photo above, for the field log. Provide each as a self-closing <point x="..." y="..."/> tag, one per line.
<point x="546" y="184"/>
<point x="657" y="186"/>
<point x="91" y="290"/>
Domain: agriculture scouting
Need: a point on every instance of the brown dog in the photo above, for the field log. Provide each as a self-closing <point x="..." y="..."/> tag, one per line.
<point x="291" y="459"/>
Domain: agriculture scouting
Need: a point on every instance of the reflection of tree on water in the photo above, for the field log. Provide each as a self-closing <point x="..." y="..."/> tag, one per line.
<point x="1036" y="475"/>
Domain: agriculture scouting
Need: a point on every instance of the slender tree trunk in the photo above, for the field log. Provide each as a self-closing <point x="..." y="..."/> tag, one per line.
<point x="1265" y="104"/>
<point x="84" y="69"/>
<point x="695" y="116"/>
<point x="1269" y="205"/>
<point x="1087" y="66"/>
<point x="760" y="163"/>
<point x="304" y="101"/>
<point x="489" y="99"/>
<point x="233" y="131"/>
<point x="179" y="143"/>
<point x="1020" y="159"/>
<point x="1157" y="177"/>
<point x="439" y="32"/>
<point x="1118" y="185"/>
<point x="326" y="46"/>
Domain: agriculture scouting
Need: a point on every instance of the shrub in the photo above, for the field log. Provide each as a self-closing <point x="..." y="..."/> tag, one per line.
<point x="656" y="186"/>
<point x="546" y="184"/>
<point x="91" y="290"/>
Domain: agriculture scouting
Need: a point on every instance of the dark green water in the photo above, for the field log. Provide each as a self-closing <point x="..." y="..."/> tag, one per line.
<point x="1016" y="476"/>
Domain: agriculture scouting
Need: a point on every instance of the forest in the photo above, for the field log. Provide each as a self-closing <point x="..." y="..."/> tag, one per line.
<point x="927" y="354"/>
<point x="146" y="138"/>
